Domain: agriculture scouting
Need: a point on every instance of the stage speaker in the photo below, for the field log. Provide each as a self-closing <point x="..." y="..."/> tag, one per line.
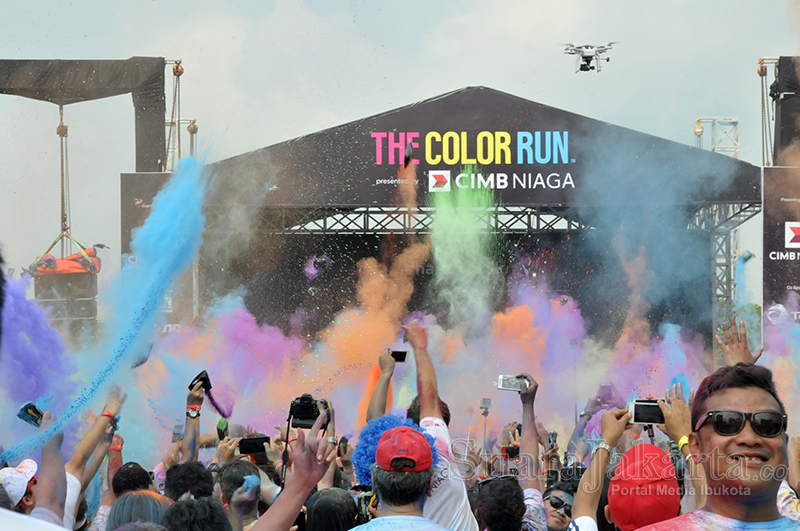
<point x="785" y="91"/>
<point x="67" y="296"/>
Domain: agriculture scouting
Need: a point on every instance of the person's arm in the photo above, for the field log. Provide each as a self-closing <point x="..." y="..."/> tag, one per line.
<point x="330" y="432"/>
<point x="77" y="463"/>
<point x="312" y="456"/>
<point x="51" y="491"/>
<point x="377" y="402"/>
<point x="192" y="430"/>
<point x="97" y="458"/>
<point x="593" y="406"/>
<point x="427" y="389"/>
<point x="612" y="425"/>
<point x="677" y="425"/>
<point x="794" y="463"/>
<point x="529" y="440"/>
<point x="736" y="350"/>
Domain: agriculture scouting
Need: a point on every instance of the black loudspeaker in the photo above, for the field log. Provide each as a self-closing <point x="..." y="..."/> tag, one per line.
<point x="67" y="296"/>
<point x="785" y="91"/>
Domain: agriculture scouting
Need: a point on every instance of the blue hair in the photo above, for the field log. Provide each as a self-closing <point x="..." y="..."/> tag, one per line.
<point x="367" y="446"/>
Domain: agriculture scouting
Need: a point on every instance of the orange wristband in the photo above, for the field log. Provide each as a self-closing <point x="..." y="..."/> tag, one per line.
<point x="107" y="414"/>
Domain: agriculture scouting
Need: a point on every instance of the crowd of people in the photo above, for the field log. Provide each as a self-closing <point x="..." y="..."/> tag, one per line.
<point x="721" y="459"/>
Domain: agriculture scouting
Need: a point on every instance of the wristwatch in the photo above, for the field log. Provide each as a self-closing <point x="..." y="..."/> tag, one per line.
<point x="192" y="413"/>
<point x="213" y="467"/>
<point x="604" y="446"/>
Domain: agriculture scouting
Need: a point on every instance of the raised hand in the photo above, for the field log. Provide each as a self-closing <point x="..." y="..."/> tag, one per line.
<point x="227" y="448"/>
<point x="116" y="398"/>
<point x="196" y="395"/>
<point x="312" y="455"/>
<point x="735" y="348"/>
<point x="528" y="394"/>
<point x="386" y="361"/>
<point x="677" y="415"/>
<point x="613" y="424"/>
<point x="417" y="336"/>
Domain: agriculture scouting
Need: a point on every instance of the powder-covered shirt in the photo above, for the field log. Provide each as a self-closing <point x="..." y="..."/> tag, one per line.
<point x="535" y="518"/>
<point x="788" y="504"/>
<point x="707" y="521"/>
<point x="392" y="523"/>
<point x="39" y="520"/>
<point x="447" y="503"/>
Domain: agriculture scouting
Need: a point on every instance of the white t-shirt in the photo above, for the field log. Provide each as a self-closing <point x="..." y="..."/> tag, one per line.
<point x="390" y="523"/>
<point x="11" y="521"/>
<point x="583" y="523"/>
<point x="447" y="504"/>
<point x="73" y="493"/>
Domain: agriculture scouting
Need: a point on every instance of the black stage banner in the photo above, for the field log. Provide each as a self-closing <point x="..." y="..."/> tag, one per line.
<point x="781" y="244"/>
<point x="526" y="152"/>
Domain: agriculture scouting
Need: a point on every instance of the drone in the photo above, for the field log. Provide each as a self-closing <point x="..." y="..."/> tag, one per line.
<point x="588" y="53"/>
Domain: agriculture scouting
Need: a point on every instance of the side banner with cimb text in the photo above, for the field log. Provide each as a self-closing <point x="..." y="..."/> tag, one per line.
<point x="781" y="189"/>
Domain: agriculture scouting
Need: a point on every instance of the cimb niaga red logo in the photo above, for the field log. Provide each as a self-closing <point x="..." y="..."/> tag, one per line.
<point x="792" y="233"/>
<point x="439" y="181"/>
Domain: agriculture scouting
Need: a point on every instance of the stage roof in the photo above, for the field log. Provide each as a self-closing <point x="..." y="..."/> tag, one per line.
<point x="530" y="154"/>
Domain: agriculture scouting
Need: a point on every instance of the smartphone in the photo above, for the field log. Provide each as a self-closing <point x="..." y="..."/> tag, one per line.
<point x="604" y="394"/>
<point x="645" y="411"/>
<point x="551" y="438"/>
<point x="202" y="377"/>
<point x="222" y="428"/>
<point x="31" y="414"/>
<point x="300" y="521"/>
<point x="506" y="382"/>
<point x="253" y="445"/>
<point x="400" y="355"/>
<point x="510" y="452"/>
<point x="177" y="432"/>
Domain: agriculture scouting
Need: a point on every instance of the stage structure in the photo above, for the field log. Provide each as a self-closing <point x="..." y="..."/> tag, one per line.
<point x="550" y="171"/>
<point x="68" y="285"/>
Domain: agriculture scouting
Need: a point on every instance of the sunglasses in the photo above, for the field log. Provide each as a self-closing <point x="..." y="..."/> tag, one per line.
<point x="558" y="504"/>
<point x="728" y="423"/>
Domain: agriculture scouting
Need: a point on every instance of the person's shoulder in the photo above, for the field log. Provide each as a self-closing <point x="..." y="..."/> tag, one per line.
<point x="583" y="523"/>
<point x="416" y="523"/>
<point x="12" y="521"/>
<point x="698" y="520"/>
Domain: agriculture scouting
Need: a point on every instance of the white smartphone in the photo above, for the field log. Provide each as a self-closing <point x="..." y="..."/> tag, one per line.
<point x="645" y="411"/>
<point x="506" y="382"/>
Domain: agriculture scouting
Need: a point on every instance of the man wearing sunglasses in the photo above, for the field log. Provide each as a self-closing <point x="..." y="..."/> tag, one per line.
<point x="740" y="438"/>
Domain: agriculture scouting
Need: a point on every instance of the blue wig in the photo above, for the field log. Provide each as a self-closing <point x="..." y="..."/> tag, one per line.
<point x="368" y="439"/>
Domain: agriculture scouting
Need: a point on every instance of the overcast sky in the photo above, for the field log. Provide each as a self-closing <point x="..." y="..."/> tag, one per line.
<point x="261" y="72"/>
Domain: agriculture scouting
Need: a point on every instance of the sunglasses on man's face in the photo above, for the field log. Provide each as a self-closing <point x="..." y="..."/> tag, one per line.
<point x="729" y="423"/>
<point x="558" y="504"/>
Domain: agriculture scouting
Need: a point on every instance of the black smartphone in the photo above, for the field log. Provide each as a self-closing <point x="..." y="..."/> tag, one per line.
<point x="552" y="437"/>
<point x="400" y="355"/>
<point x="510" y="452"/>
<point x="253" y="445"/>
<point x="31" y="414"/>
<point x="202" y="377"/>
<point x="300" y="521"/>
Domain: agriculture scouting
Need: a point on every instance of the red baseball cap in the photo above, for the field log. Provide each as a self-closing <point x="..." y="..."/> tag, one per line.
<point x="407" y="443"/>
<point x="644" y="490"/>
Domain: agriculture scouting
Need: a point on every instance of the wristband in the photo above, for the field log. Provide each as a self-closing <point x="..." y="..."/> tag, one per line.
<point x="195" y="407"/>
<point x="107" y="414"/>
<point x="290" y="441"/>
<point x="683" y="441"/>
<point x="117" y="447"/>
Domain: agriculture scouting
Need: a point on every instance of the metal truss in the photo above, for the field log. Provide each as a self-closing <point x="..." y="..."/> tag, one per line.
<point x="724" y="135"/>
<point x="401" y="220"/>
<point x="722" y="220"/>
